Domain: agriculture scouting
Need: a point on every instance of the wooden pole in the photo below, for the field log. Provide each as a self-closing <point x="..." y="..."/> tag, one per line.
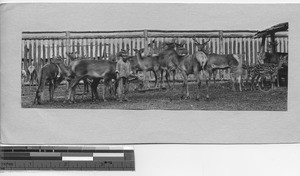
<point x="262" y="45"/>
<point x="221" y="42"/>
<point x="44" y="53"/>
<point x="39" y="56"/>
<point x="30" y="54"/>
<point x="68" y="46"/>
<point x="146" y="42"/>
<point x="34" y="53"/>
<point x="25" y="56"/>
<point x="273" y="43"/>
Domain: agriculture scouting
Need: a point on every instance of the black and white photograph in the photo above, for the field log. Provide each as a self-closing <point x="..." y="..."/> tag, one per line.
<point x="140" y="69"/>
<point x="149" y="73"/>
<point x="176" y="88"/>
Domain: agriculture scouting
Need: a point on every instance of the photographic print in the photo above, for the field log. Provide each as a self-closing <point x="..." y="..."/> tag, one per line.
<point x="157" y="69"/>
<point x="142" y="73"/>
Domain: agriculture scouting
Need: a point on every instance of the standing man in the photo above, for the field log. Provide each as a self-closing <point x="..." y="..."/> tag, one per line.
<point x="123" y="71"/>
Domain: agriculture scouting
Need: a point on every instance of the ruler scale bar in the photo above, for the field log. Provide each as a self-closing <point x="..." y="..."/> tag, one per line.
<point x="108" y="154"/>
<point x="67" y="158"/>
<point x="77" y="158"/>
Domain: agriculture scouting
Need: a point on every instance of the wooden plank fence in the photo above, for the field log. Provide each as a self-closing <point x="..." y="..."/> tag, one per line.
<point x="39" y="47"/>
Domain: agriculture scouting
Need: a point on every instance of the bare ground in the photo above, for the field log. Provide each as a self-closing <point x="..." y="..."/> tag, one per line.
<point x="221" y="98"/>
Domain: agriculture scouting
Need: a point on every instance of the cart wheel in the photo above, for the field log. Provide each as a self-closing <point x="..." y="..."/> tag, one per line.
<point x="265" y="83"/>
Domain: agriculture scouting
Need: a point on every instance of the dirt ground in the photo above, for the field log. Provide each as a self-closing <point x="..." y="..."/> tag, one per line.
<point x="221" y="98"/>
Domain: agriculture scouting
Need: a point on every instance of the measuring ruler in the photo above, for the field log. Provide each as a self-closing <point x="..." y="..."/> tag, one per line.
<point x="61" y="157"/>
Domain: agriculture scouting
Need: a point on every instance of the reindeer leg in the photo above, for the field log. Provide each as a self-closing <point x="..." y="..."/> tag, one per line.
<point x="66" y="91"/>
<point x="240" y="84"/>
<point x="22" y="86"/>
<point x="94" y="91"/>
<point x="207" y="79"/>
<point x="146" y="79"/>
<point x="277" y="80"/>
<point x="72" y="88"/>
<point x="37" y="96"/>
<point x="86" y="85"/>
<point x="155" y="78"/>
<point x="162" y="79"/>
<point x="197" y="74"/>
<point x="30" y="82"/>
<point x="105" y="84"/>
<point x="103" y="92"/>
<point x="174" y="74"/>
<point x="253" y="78"/>
<point x="167" y="78"/>
<point x="185" y="86"/>
<point x="158" y="74"/>
<point x="187" y="89"/>
<point x="233" y="83"/>
<point x="214" y="77"/>
<point x="207" y="86"/>
<point x="50" y="90"/>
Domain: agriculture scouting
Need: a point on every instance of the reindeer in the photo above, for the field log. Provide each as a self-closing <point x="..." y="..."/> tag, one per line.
<point x="147" y="63"/>
<point x="171" y="60"/>
<point x="192" y="64"/>
<point x="32" y="75"/>
<point x="86" y="82"/>
<point x="23" y="80"/>
<point x="95" y="69"/>
<point x="223" y="61"/>
<point x="53" y="73"/>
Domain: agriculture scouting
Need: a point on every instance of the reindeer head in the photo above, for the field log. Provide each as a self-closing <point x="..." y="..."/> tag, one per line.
<point x="72" y="55"/>
<point x="170" y="44"/>
<point x="139" y="51"/>
<point x="201" y="46"/>
<point x="57" y="60"/>
<point x="180" y="49"/>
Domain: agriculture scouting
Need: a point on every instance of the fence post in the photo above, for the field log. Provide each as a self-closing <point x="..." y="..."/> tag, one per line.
<point x="25" y="56"/>
<point x="146" y="42"/>
<point x="273" y="43"/>
<point x="68" y="46"/>
<point x="221" y="42"/>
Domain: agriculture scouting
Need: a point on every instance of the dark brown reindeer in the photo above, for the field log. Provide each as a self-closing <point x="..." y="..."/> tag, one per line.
<point x="95" y="69"/>
<point x="171" y="60"/>
<point x="145" y="64"/>
<point x="86" y="82"/>
<point x="223" y="61"/>
<point x="53" y="73"/>
<point x="192" y="64"/>
<point x="168" y="61"/>
<point x="149" y="62"/>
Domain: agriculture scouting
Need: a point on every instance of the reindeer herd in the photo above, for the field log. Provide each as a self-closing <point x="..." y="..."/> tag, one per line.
<point x="172" y="58"/>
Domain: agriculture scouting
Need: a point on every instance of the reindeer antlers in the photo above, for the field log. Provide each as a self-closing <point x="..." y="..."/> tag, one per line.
<point x="201" y="45"/>
<point x="196" y="41"/>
